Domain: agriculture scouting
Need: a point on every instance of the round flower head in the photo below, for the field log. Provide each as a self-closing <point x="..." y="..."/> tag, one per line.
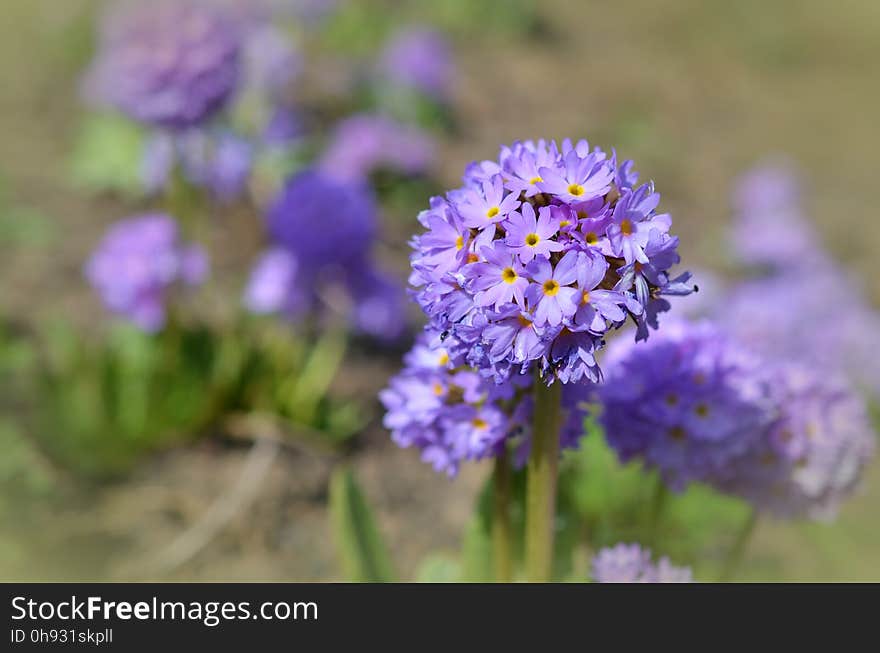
<point x="785" y="316"/>
<point x="138" y="262"/>
<point x="168" y="64"/>
<point x="813" y="455"/>
<point x="322" y="221"/>
<point x="363" y="144"/>
<point x="688" y="402"/>
<point x="770" y="228"/>
<point x="441" y="406"/>
<point x="539" y="255"/>
<point x="420" y="59"/>
<point x="322" y="232"/>
<point x="630" y="563"/>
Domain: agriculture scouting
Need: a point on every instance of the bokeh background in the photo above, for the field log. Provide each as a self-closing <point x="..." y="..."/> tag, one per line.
<point x="695" y="91"/>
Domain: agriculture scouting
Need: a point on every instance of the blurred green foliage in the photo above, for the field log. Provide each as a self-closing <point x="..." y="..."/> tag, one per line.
<point x="361" y="549"/>
<point x="95" y="407"/>
<point x="107" y="154"/>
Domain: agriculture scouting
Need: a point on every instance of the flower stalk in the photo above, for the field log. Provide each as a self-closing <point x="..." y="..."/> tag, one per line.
<point x="502" y="535"/>
<point x="737" y="551"/>
<point x="541" y="482"/>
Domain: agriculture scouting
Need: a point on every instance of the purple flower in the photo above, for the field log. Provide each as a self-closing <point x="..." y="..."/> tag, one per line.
<point x="452" y="414"/>
<point x="421" y="59"/>
<point x="168" y="64"/>
<point x="379" y="310"/>
<point x="630" y="563"/>
<point x="364" y="144"/>
<point x="499" y="279"/>
<point x="522" y="163"/>
<point x="273" y="285"/>
<point x="515" y="335"/>
<point x="567" y="235"/>
<point x="271" y="61"/>
<point x="577" y="178"/>
<point x="530" y="235"/>
<point x="550" y="293"/>
<point x="813" y="456"/>
<point x="311" y="270"/>
<point x="484" y="206"/>
<point x="322" y="221"/>
<point x="137" y="264"/>
<point x="770" y="228"/>
<point x="688" y="402"/>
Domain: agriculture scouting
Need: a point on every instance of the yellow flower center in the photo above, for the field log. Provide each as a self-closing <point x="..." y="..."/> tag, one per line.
<point x="592" y="238"/>
<point x="509" y="275"/>
<point x="479" y="423"/>
<point x="564" y="224"/>
<point x="585" y="297"/>
<point x="472" y="258"/>
<point x="459" y="242"/>
<point x="524" y="322"/>
<point x="532" y="240"/>
<point x="677" y="433"/>
<point x="702" y="410"/>
<point x="582" y="214"/>
<point x="535" y="180"/>
<point x="443" y="361"/>
<point x="626" y="227"/>
<point x="576" y="189"/>
<point x="438" y="389"/>
<point x="491" y="213"/>
<point x="550" y="287"/>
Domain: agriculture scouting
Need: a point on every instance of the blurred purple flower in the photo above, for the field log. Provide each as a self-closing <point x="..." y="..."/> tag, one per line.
<point x="813" y="456"/>
<point x="363" y="144"/>
<point x="138" y="262"/>
<point x="323" y="221"/>
<point x="273" y="285"/>
<point x="770" y="229"/>
<point x="421" y="59"/>
<point x="630" y="563"/>
<point x="167" y="64"/>
<point x="687" y="402"/>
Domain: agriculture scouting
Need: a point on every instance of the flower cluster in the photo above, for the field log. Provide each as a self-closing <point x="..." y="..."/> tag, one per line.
<point x="219" y="161"/>
<point x="696" y="405"/>
<point x="630" y="563"/>
<point x="814" y="454"/>
<point x="687" y="403"/>
<point x="364" y="144"/>
<point x="138" y="262"/>
<point x="168" y="64"/>
<point x="540" y="254"/>
<point x="452" y="414"/>
<point x="307" y="269"/>
<point x="770" y="229"/>
<point x="420" y="59"/>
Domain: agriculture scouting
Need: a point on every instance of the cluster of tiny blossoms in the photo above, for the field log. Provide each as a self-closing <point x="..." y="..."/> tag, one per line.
<point x="451" y="413"/>
<point x="694" y="404"/>
<point x="139" y="262"/>
<point x="630" y="563"/>
<point x="539" y="255"/>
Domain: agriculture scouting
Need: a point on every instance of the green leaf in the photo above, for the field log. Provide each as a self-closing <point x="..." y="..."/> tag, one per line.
<point x="107" y="155"/>
<point x="438" y="568"/>
<point x="361" y="549"/>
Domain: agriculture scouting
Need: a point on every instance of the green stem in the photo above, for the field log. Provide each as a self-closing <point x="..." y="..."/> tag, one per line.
<point x="657" y="508"/>
<point x="735" y="555"/>
<point x="501" y="532"/>
<point x="541" y="482"/>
